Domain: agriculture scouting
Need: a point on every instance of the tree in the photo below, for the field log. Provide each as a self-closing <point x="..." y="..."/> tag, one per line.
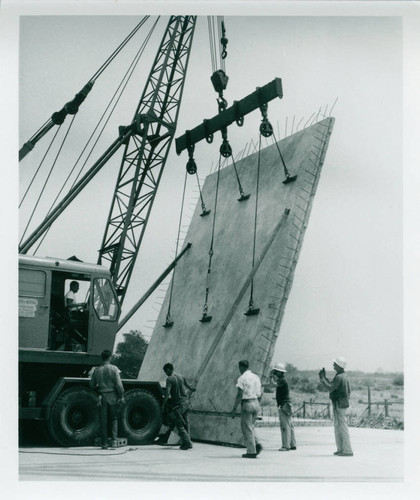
<point x="130" y="353"/>
<point x="398" y="379"/>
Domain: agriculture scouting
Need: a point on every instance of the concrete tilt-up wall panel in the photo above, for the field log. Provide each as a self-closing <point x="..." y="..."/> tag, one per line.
<point x="208" y="353"/>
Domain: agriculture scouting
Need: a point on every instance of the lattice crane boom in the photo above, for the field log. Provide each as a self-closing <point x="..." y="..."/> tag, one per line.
<point x="146" y="152"/>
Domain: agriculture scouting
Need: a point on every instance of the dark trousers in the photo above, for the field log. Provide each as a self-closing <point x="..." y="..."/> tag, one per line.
<point x="109" y="413"/>
<point x="182" y="424"/>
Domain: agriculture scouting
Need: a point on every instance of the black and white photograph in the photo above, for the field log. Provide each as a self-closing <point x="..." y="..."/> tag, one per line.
<point x="215" y="212"/>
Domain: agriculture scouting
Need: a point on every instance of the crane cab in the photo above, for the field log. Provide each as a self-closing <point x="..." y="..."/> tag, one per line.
<point x="66" y="306"/>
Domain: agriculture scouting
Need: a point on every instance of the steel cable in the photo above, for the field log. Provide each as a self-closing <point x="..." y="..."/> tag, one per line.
<point x="48" y="177"/>
<point x="168" y="315"/>
<point x="120" y="89"/>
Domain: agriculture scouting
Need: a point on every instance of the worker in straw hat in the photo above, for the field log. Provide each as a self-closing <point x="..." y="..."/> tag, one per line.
<point x="285" y="408"/>
<point x="339" y="389"/>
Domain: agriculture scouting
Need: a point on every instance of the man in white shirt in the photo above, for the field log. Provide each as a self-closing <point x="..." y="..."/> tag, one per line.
<point x="249" y="396"/>
<point x="70" y="300"/>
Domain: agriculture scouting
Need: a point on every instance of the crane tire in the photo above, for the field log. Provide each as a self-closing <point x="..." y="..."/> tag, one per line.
<point x="74" y="418"/>
<point x="140" y="418"/>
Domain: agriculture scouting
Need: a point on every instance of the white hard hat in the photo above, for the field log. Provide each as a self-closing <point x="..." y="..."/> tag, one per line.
<point x="279" y="367"/>
<point x="341" y="362"/>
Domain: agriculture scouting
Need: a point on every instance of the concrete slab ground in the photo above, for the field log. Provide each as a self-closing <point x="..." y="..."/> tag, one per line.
<point x="378" y="458"/>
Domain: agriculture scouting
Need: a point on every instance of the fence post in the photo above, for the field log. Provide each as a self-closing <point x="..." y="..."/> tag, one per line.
<point x="329" y="411"/>
<point x="304" y="409"/>
<point x="386" y="408"/>
<point x="369" y="400"/>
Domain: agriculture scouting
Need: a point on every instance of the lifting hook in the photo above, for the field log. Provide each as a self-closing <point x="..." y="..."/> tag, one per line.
<point x="191" y="165"/>
<point x="224" y="41"/>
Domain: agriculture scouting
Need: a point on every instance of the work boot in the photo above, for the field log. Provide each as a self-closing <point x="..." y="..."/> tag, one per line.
<point x="249" y="455"/>
<point x="185" y="447"/>
<point x="258" y="448"/>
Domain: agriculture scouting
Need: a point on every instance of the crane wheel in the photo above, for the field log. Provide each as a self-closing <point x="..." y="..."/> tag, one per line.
<point x="74" y="419"/>
<point x="140" y="418"/>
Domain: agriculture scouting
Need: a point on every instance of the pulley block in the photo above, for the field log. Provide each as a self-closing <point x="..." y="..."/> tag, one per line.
<point x="266" y="129"/>
<point x="219" y="79"/>
<point x="191" y="166"/>
<point x="226" y="149"/>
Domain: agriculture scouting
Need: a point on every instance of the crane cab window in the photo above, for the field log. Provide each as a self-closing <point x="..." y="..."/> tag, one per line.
<point x="69" y="311"/>
<point x="32" y="283"/>
<point x="104" y="300"/>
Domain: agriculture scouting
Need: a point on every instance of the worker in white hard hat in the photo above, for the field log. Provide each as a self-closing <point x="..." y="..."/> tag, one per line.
<point x="284" y="406"/>
<point x="340" y="390"/>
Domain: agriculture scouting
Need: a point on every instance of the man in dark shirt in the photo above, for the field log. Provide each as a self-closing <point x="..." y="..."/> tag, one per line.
<point x="285" y="409"/>
<point x="175" y="389"/>
<point x="106" y="379"/>
<point x="339" y="389"/>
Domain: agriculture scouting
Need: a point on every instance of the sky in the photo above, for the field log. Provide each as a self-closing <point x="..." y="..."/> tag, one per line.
<point x="347" y="296"/>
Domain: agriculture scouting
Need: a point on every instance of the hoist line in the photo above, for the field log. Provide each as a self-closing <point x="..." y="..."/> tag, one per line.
<point x="211" y="250"/>
<point x="168" y="315"/>
<point x="215" y="44"/>
<point x="203" y="206"/>
<point x="241" y="191"/>
<point x="281" y="156"/>
<point x="118" y="50"/>
<point x="39" y="166"/>
<point x="211" y="43"/>
<point x="47" y="179"/>
<point x="41" y="240"/>
<point x="219" y="36"/>
<point x="72" y="107"/>
<point x="251" y="299"/>
<point x="223" y="327"/>
<point x="121" y="87"/>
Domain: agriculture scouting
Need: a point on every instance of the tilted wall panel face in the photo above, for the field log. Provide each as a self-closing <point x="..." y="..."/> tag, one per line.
<point x="208" y="353"/>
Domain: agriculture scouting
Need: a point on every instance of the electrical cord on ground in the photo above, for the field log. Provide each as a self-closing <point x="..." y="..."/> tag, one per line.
<point x="78" y="454"/>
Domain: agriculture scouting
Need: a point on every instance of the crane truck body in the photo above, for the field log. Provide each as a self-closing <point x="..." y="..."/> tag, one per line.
<point x="58" y="348"/>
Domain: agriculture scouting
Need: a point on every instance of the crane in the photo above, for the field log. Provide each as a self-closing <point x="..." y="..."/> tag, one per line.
<point x="52" y="370"/>
<point x="58" y="349"/>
